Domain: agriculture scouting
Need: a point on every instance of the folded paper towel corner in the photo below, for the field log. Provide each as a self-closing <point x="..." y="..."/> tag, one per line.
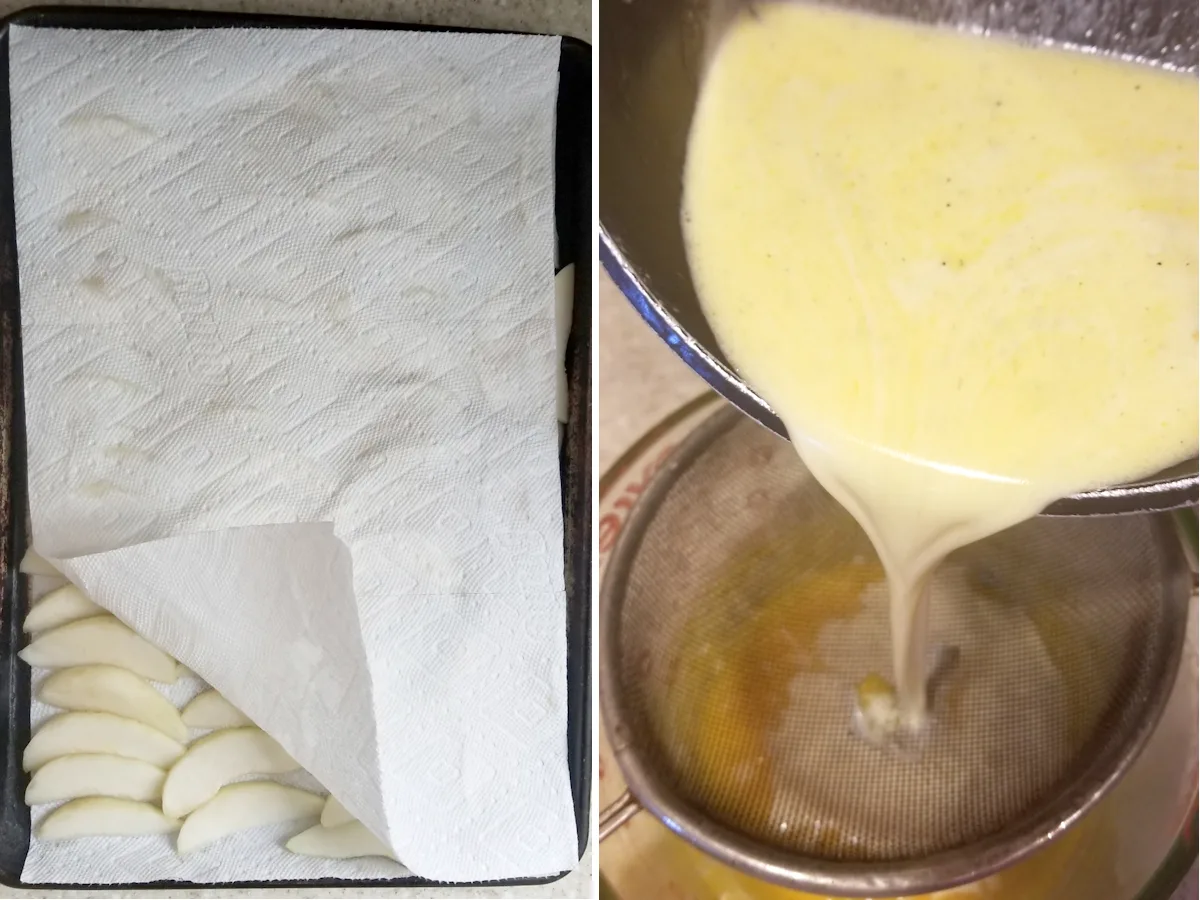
<point x="289" y="355"/>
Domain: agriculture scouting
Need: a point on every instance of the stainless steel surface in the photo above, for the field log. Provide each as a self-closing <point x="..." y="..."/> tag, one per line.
<point x="652" y="56"/>
<point x="717" y="501"/>
<point x="616" y="815"/>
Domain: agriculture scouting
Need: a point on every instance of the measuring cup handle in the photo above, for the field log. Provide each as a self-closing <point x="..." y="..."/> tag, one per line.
<point x="616" y="815"/>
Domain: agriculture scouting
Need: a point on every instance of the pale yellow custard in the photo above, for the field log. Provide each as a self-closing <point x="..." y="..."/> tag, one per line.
<point x="963" y="271"/>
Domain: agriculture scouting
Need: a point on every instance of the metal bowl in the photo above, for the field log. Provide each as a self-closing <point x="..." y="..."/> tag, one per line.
<point x="652" y="56"/>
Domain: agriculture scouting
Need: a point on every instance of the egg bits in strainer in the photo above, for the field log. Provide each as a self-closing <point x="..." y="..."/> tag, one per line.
<point x="744" y="621"/>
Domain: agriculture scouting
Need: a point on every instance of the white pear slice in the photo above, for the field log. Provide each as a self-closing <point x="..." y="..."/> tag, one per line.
<point x="35" y="564"/>
<point x="248" y="804"/>
<point x="217" y="759"/>
<point x="113" y="690"/>
<point x="334" y="814"/>
<point x="564" y="302"/>
<point x="100" y="640"/>
<point x="99" y="732"/>
<point x="211" y="710"/>
<point x="94" y="775"/>
<point x="102" y="816"/>
<point x="60" y="606"/>
<point x="348" y="841"/>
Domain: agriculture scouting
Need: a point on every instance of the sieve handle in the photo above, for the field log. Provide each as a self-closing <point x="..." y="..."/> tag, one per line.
<point x="616" y="815"/>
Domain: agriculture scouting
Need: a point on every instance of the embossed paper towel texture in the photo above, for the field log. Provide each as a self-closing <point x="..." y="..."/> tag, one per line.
<point x="278" y="278"/>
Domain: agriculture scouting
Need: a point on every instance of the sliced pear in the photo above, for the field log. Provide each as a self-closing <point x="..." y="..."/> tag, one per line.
<point x="334" y="814"/>
<point x="62" y="605"/>
<point x="112" y="690"/>
<point x="94" y="775"/>
<point x="564" y="302"/>
<point x="217" y="759"/>
<point x="99" y="732"/>
<point x="211" y="710"/>
<point x="248" y="804"/>
<point x="33" y="563"/>
<point x="348" y="841"/>
<point x="100" y="640"/>
<point x="104" y="816"/>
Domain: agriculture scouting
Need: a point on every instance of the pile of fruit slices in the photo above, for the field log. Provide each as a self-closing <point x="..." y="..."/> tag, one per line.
<point x="121" y="757"/>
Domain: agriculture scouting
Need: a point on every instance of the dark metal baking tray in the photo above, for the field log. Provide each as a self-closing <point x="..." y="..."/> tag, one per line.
<point x="575" y="240"/>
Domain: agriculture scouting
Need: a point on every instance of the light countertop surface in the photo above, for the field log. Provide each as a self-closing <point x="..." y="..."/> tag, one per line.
<point x="567" y="17"/>
<point x="640" y="380"/>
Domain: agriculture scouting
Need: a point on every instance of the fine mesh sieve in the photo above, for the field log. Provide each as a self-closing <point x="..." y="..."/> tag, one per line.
<point x="742" y="609"/>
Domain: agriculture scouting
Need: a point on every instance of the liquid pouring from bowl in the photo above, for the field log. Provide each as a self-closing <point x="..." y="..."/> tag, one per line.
<point x="643" y="146"/>
<point x="929" y="260"/>
<point x="753" y="521"/>
<point x="695" y="352"/>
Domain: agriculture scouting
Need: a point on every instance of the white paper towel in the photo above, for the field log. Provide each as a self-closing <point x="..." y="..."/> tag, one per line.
<point x="288" y="324"/>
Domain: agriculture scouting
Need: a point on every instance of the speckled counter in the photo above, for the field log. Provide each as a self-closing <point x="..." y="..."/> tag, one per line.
<point x="568" y="17"/>
<point x="640" y="379"/>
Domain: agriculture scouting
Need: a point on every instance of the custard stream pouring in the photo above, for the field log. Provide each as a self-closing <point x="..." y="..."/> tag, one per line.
<point x="965" y="297"/>
<point x="728" y="675"/>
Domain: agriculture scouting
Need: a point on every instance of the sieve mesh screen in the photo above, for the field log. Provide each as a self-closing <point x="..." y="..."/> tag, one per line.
<point x="751" y="607"/>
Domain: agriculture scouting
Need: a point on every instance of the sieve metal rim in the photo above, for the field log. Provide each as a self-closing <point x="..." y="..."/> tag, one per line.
<point x="940" y="871"/>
